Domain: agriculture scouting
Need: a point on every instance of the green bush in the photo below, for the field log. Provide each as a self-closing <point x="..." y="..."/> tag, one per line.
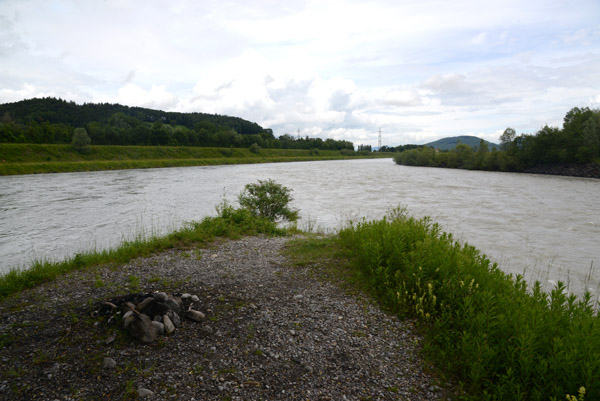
<point x="81" y="140"/>
<point x="254" y="148"/>
<point x="269" y="200"/>
<point x="499" y="339"/>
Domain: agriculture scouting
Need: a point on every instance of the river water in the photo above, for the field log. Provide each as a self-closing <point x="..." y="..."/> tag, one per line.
<point x="545" y="227"/>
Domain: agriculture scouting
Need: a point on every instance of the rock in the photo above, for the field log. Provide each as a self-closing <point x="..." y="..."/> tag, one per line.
<point x="111" y="339"/>
<point x="207" y="329"/>
<point x="169" y="327"/>
<point x="160" y="327"/>
<point x="186" y="296"/>
<point x="160" y="308"/>
<point x="142" y="328"/>
<point x="130" y="319"/>
<point x="195" y="298"/>
<point x="128" y="306"/>
<point x="144" y="304"/>
<point x="108" y="363"/>
<point x="127" y="314"/>
<point x="144" y="392"/>
<point x="195" y="315"/>
<point x="174" y="318"/>
<point x="172" y="304"/>
<point x="161" y="296"/>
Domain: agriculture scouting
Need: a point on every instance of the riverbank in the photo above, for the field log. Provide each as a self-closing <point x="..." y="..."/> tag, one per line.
<point x="271" y="331"/>
<point x="484" y="330"/>
<point x="589" y="170"/>
<point x="38" y="159"/>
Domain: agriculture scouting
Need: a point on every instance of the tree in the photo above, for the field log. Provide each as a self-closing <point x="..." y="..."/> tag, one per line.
<point x="254" y="148"/>
<point x="507" y="138"/>
<point x="81" y="140"/>
<point x="269" y="200"/>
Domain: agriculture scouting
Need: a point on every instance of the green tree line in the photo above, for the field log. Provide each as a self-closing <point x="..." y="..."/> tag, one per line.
<point x="578" y="142"/>
<point x="53" y="121"/>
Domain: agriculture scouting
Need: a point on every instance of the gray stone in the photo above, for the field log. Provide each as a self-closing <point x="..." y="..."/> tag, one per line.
<point x="172" y="304"/>
<point x="160" y="328"/>
<point x="174" y="318"/>
<point x="195" y="298"/>
<point x="142" y="329"/>
<point x="111" y="338"/>
<point x="186" y="296"/>
<point x="144" y="304"/>
<point x="108" y="363"/>
<point x="144" y="392"/>
<point x="127" y="321"/>
<point x="169" y="327"/>
<point x="160" y="296"/>
<point x="195" y="315"/>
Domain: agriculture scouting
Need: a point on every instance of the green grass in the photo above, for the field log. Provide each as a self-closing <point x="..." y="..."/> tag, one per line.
<point x="495" y="336"/>
<point x="33" y="158"/>
<point x="230" y="223"/>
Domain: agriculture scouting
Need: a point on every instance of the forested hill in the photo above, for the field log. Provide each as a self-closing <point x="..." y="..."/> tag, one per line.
<point x="53" y="121"/>
<point x="58" y="111"/>
<point x="451" y="142"/>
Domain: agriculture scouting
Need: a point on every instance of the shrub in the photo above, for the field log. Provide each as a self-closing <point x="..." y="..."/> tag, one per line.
<point x="81" y="140"/>
<point x="268" y="199"/>
<point x="501" y="339"/>
<point x="254" y="148"/>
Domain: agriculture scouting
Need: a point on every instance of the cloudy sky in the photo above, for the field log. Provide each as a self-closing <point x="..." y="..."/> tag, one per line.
<point x="418" y="70"/>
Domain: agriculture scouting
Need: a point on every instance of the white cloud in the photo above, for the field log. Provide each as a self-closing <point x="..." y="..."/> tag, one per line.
<point x="419" y="69"/>
<point x="13" y="95"/>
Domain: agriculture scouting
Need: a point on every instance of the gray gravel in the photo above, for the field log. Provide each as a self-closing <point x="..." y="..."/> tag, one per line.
<point x="271" y="332"/>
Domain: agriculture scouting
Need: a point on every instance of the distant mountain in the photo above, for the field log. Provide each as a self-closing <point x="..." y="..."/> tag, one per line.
<point x="451" y="142"/>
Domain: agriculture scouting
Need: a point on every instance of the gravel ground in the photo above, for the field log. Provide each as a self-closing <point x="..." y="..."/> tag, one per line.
<point x="271" y="332"/>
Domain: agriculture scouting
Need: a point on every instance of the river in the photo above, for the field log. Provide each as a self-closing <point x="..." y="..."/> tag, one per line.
<point x="545" y="227"/>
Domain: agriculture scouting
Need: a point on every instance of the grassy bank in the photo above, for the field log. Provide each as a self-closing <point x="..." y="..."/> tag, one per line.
<point x="498" y="338"/>
<point x="33" y="159"/>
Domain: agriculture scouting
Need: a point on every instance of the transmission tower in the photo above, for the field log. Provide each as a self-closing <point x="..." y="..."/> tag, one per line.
<point x="379" y="140"/>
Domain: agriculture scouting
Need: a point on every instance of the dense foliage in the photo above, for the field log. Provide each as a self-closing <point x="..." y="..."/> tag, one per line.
<point x="53" y="121"/>
<point x="578" y="142"/>
<point x="501" y="339"/>
<point x="268" y="199"/>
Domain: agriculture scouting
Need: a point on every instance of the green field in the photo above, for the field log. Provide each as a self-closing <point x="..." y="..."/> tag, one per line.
<point x="35" y="159"/>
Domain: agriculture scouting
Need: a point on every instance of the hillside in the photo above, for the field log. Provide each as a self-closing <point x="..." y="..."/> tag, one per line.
<point x="451" y="142"/>
<point x="58" y="111"/>
<point x="53" y="121"/>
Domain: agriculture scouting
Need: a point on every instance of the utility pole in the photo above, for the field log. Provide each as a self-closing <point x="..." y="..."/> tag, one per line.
<point x="379" y="140"/>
